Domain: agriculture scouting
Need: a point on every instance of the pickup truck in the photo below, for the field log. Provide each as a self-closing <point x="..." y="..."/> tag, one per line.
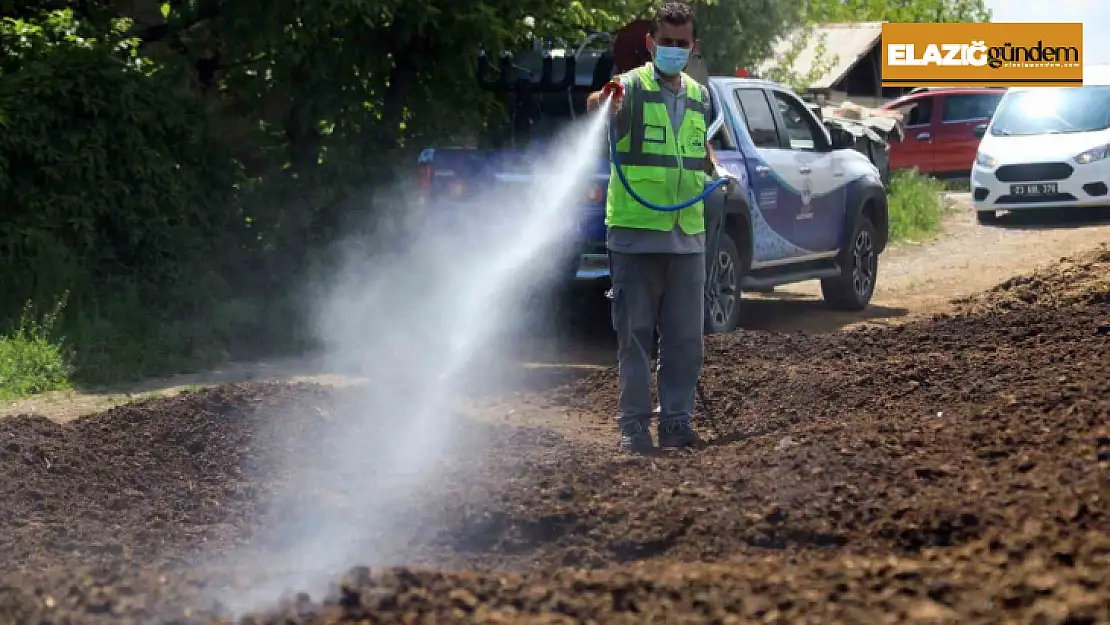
<point x="808" y="206"/>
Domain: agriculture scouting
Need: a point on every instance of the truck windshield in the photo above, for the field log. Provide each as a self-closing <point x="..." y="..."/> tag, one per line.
<point x="1050" y="110"/>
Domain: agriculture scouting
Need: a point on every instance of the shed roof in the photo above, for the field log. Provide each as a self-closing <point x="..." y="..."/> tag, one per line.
<point x="845" y="43"/>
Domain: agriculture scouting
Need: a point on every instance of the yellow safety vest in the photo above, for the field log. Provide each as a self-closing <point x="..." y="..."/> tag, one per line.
<point x="660" y="167"/>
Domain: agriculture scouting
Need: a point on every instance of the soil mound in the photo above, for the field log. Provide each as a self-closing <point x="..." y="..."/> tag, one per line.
<point x="998" y="342"/>
<point x="955" y="469"/>
<point x="1079" y="280"/>
<point x="156" y="478"/>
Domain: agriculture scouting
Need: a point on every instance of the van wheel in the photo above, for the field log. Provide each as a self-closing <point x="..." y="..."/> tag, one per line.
<point x="722" y="288"/>
<point x="853" y="288"/>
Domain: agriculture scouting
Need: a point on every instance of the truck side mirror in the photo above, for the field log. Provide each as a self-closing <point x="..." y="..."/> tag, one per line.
<point x="980" y="130"/>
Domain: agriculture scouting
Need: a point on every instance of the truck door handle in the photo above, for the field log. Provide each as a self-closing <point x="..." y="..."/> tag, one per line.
<point x="762" y="170"/>
<point x="924" y="136"/>
<point x="804" y="169"/>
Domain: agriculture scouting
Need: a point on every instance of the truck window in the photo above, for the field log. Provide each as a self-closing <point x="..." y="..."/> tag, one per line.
<point x="723" y="139"/>
<point x="758" y="117"/>
<point x="800" y="127"/>
<point x="917" y="113"/>
<point x="968" y="107"/>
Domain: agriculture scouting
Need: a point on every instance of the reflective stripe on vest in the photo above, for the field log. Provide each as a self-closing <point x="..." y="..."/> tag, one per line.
<point x="662" y="165"/>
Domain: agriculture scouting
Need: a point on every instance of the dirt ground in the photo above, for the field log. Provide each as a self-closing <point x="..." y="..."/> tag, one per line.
<point x="915" y="279"/>
<point x="946" y="469"/>
<point x="923" y="277"/>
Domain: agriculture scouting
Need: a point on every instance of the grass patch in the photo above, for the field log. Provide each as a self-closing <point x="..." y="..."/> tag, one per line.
<point x="122" y="342"/>
<point x="32" y="359"/>
<point x="113" y="343"/>
<point x="957" y="185"/>
<point x="915" y="206"/>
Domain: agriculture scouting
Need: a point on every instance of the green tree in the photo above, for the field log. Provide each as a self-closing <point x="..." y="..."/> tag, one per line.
<point x="176" y="166"/>
<point x="824" y="11"/>
<point x="168" y="163"/>
<point x="737" y="33"/>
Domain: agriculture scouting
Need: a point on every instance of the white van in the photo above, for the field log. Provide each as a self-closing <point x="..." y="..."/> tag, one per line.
<point x="1045" y="147"/>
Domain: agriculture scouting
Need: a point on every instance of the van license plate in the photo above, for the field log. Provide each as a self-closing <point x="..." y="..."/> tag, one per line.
<point x="1033" y="190"/>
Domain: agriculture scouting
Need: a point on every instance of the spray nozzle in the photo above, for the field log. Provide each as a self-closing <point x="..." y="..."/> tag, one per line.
<point x="613" y="92"/>
<point x="613" y="89"/>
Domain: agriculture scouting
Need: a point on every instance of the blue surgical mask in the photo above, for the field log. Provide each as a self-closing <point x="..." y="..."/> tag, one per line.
<point x="670" y="61"/>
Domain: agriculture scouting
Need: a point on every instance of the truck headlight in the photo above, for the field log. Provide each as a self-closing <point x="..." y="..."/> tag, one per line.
<point x="1094" y="154"/>
<point x="985" y="161"/>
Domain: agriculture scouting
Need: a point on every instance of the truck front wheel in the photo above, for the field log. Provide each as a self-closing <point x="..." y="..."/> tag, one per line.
<point x="859" y="268"/>
<point x="722" y="287"/>
<point x="986" y="217"/>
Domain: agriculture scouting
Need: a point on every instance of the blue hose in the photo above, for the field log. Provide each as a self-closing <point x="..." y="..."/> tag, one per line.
<point x="709" y="188"/>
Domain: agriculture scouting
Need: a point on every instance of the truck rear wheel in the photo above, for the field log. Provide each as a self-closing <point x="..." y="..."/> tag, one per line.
<point x="722" y="287"/>
<point x="859" y="269"/>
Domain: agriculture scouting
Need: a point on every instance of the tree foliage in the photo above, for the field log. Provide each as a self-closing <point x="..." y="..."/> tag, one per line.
<point x="735" y="33"/>
<point x="939" y="11"/>
<point x="102" y="166"/>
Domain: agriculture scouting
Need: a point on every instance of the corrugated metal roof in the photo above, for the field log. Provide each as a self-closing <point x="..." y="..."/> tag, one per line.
<point x="844" y="43"/>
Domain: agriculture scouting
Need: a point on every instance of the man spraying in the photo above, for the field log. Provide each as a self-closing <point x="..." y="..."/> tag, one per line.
<point x="656" y="258"/>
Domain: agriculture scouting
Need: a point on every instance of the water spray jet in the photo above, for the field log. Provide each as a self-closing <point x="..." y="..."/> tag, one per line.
<point x="359" y="491"/>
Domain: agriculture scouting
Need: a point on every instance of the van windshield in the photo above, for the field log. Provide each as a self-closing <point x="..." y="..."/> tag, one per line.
<point x="1050" y="110"/>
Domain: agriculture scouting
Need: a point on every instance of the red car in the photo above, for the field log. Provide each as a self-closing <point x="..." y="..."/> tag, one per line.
<point x="940" y="129"/>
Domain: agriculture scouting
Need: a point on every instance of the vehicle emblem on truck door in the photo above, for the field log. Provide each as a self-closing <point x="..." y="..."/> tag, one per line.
<point x="807" y="198"/>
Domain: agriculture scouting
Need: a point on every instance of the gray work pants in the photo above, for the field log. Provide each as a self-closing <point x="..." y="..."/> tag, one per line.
<point x="664" y="292"/>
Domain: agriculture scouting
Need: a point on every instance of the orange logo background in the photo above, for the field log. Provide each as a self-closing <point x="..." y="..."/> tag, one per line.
<point x="988" y="54"/>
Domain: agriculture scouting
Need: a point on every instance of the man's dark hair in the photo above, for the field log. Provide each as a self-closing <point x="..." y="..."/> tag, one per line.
<point x="675" y="14"/>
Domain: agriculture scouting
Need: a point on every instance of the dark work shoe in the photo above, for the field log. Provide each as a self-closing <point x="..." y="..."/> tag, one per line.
<point x="635" y="436"/>
<point x="677" y="433"/>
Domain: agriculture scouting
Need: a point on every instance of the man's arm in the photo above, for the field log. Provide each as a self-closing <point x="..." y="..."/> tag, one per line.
<point x="621" y="120"/>
<point x="711" y="162"/>
<point x="593" y="101"/>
